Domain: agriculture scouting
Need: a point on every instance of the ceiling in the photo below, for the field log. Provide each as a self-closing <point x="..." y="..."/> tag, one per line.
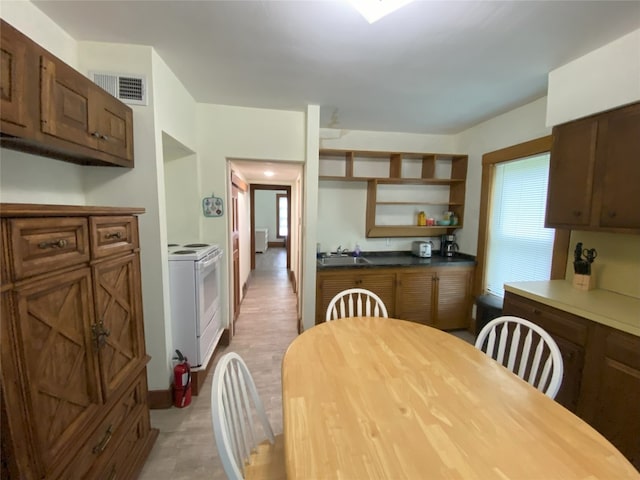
<point x="435" y="67"/>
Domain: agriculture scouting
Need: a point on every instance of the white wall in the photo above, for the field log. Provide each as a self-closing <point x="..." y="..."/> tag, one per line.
<point x="265" y="214"/>
<point x="517" y="126"/>
<point x="225" y="133"/>
<point x="600" y="80"/>
<point x="342" y="205"/>
<point x="29" y="178"/>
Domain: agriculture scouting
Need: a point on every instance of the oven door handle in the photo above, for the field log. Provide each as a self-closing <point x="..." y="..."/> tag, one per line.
<point x="209" y="261"/>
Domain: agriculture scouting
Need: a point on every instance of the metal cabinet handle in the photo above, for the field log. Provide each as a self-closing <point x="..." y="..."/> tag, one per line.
<point x="96" y="134"/>
<point x="104" y="137"/>
<point x="100" y="333"/>
<point x="117" y="235"/>
<point x="99" y="448"/>
<point x="53" y="244"/>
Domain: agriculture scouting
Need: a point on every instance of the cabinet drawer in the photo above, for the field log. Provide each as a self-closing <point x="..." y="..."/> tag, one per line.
<point x="126" y="452"/>
<point x="113" y="235"/>
<point x="556" y="322"/>
<point x="41" y="245"/>
<point x="104" y="441"/>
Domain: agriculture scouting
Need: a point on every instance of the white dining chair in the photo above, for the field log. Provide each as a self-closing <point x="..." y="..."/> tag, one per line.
<point x="528" y="350"/>
<point x="355" y="302"/>
<point x="235" y="406"/>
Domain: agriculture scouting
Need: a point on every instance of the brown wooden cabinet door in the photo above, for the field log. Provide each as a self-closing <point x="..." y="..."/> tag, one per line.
<point x="64" y="104"/>
<point x="60" y="377"/>
<point x="114" y="122"/>
<point x="571" y="173"/>
<point x="453" y="298"/>
<point x="329" y="285"/>
<point x="18" y="63"/>
<point x="414" y="299"/>
<point x="118" y="307"/>
<point x="569" y="333"/>
<point x="615" y="410"/>
<point x="619" y="171"/>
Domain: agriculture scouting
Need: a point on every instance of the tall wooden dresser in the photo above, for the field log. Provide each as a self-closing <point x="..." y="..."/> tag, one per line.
<point x="73" y="371"/>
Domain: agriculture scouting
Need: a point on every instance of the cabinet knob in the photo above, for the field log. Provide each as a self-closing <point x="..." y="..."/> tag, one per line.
<point x="577" y="213"/>
<point x="536" y="311"/>
<point x="53" y="244"/>
<point x="612" y="214"/>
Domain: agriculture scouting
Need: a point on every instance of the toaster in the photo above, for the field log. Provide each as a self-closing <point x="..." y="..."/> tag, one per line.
<point x="421" y="248"/>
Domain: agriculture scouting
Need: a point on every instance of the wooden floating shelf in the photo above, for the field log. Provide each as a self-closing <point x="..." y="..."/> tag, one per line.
<point x="395" y="181"/>
<point x="381" y="231"/>
<point x="443" y="204"/>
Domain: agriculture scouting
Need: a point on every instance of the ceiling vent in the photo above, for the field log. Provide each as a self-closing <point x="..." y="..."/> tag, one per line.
<point x="131" y="89"/>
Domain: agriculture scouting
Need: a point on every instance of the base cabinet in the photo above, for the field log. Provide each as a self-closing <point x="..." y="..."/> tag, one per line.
<point x="73" y="371"/>
<point x="329" y="284"/>
<point x="438" y="297"/>
<point x="601" y="381"/>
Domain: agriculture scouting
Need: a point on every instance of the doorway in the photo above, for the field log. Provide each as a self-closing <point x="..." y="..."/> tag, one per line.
<point x="277" y="219"/>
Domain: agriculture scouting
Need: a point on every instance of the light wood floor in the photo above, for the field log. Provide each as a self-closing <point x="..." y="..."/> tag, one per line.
<point x="185" y="449"/>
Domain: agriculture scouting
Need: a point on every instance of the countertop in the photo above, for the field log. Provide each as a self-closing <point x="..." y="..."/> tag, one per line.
<point x="404" y="259"/>
<point x="601" y="306"/>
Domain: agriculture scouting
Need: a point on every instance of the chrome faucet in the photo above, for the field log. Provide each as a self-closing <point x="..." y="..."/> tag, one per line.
<point x="339" y="249"/>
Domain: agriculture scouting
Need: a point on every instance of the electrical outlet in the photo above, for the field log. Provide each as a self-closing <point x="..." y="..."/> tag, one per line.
<point x="387" y="241"/>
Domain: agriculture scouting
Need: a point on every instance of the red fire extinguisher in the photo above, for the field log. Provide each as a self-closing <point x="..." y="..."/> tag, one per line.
<point x="181" y="382"/>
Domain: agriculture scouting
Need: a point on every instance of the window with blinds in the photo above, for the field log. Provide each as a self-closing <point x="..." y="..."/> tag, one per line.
<point x="519" y="247"/>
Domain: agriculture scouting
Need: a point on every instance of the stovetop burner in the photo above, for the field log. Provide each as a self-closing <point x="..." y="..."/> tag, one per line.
<point x="196" y="245"/>
<point x="183" y="252"/>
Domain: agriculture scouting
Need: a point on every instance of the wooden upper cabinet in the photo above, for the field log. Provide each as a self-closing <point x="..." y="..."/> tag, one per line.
<point x="571" y="171"/>
<point x="18" y="74"/>
<point x="620" y="169"/>
<point x="594" y="172"/>
<point x="114" y="122"/>
<point x="50" y="109"/>
<point x="64" y="104"/>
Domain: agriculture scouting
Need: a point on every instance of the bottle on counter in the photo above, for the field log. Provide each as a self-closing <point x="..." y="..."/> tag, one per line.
<point x="356" y="251"/>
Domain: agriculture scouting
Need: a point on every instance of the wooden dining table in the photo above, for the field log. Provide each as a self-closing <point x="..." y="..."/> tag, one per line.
<point x="381" y="398"/>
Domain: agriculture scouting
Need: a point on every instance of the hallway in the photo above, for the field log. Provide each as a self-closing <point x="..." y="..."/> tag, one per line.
<point x="185" y="449"/>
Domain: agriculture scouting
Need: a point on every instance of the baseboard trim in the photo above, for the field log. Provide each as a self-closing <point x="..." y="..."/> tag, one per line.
<point x="160" y="399"/>
<point x="292" y="279"/>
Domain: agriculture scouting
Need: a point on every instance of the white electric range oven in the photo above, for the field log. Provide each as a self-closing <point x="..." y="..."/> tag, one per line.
<point x="194" y="284"/>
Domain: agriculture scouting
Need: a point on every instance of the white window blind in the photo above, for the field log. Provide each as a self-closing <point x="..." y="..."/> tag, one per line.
<point x="519" y="247"/>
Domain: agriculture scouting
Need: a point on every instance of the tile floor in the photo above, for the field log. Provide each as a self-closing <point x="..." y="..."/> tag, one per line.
<point x="185" y="449"/>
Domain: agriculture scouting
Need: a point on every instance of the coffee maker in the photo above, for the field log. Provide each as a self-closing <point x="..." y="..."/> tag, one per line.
<point x="448" y="245"/>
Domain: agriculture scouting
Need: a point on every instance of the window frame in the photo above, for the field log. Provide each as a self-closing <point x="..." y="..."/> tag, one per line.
<point x="489" y="161"/>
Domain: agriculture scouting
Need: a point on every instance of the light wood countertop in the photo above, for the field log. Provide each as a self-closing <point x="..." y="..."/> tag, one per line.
<point x="601" y="306"/>
<point x="376" y="398"/>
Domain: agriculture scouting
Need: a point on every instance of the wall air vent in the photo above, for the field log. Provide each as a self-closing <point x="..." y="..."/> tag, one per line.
<point x="131" y="89"/>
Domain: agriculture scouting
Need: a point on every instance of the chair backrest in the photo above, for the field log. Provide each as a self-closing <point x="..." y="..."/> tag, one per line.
<point x="526" y="349"/>
<point x="234" y="404"/>
<point x="356" y="302"/>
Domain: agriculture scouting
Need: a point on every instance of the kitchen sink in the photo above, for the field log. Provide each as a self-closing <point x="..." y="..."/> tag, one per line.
<point x="342" y="260"/>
